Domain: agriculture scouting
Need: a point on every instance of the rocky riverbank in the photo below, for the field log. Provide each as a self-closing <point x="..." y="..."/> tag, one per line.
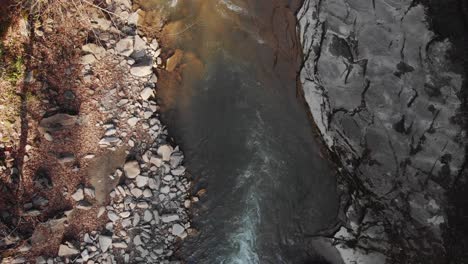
<point x="103" y="183"/>
<point x="387" y="89"/>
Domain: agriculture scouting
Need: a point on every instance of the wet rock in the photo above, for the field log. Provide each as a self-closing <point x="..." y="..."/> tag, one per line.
<point x="132" y="169"/>
<point x="174" y="60"/>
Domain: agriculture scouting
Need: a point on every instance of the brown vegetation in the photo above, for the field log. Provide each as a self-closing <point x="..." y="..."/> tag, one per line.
<point x="41" y="76"/>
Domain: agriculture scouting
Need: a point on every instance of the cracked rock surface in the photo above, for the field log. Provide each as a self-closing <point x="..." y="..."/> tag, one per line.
<point x="385" y="85"/>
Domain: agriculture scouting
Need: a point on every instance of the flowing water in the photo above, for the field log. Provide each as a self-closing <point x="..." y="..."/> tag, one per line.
<point x="244" y="129"/>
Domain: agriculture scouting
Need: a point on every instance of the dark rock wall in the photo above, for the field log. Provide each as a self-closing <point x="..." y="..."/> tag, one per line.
<point x="385" y="83"/>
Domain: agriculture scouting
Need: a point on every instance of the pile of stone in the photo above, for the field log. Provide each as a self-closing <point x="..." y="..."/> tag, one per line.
<point x="148" y="209"/>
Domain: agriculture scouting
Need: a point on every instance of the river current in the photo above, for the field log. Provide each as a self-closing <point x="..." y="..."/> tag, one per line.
<point x="239" y="117"/>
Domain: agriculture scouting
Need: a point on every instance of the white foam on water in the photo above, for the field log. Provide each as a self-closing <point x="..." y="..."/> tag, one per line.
<point x="233" y="7"/>
<point x="244" y="239"/>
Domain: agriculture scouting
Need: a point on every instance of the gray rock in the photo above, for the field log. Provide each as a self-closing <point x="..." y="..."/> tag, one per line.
<point x="87" y="239"/>
<point x="88" y="59"/>
<point x="40" y="201"/>
<point x="112" y="216"/>
<point x="67" y="249"/>
<point x="109" y="141"/>
<point x="137" y="240"/>
<point x="176" y="159"/>
<point x="146" y="93"/>
<point x="165" y="152"/>
<point x="133" y="18"/>
<point x="98" y="51"/>
<point x="136" y="192"/>
<point x="65" y="158"/>
<point x="84" y="205"/>
<point x="177" y="230"/>
<point x="101" y="211"/>
<point x="124" y="47"/>
<point x="90" y="192"/>
<point x="132" y="121"/>
<point x="140" y="44"/>
<point x="105" y="242"/>
<point x="110" y="132"/>
<point x="147" y="193"/>
<point x="58" y="122"/>
<point x="147" y="216"/>
<point x="167" y="218"/>
<point x="119" y="245"/>
<point x="141" y="181"/>
<point x="124" y="214"/>
<point x="179" y="171"/>
<point x="156" y="161"/>
<point x="132" y="169"/>
<point x="141" y="70"/>
<point x="78" y="195"/>
<point x="136" y="219"/>
<point x="41" y="260"/>
<point x="85" y="255"/>
<point x="165" y="189"/>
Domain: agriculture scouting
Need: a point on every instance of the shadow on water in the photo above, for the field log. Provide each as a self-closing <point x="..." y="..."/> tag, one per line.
<point x="245" y="133"/>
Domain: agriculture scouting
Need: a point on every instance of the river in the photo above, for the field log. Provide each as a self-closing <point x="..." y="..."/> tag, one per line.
<point x="244" y="128"/>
